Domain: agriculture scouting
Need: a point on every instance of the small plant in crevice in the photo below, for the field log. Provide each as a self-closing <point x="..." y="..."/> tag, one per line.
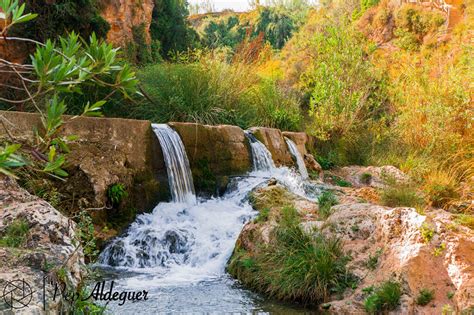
<point x="386" y="297"/>
<point x="116" y="193"/>
<point x="373" y="261"/>
<point x="427" y="232"/>
<point x="326" y="200"/>
<point x="424" y="297"/>
<point x="450" y="295"/>
<point x="439" y="250"/>
<point x="85" y="232"/>
<point x="365" y="178"/>
<point x="16" y="234"/>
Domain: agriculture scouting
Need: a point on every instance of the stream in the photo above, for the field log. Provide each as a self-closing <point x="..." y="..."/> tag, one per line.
<point x="179" y="251"/>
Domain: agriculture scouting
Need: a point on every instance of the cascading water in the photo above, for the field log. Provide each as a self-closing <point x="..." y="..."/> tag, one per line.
<point x="261" y="157"/>
<point x="299" y="159"/>
<point x="177" y="164"/>
<point x="180" y="250"/>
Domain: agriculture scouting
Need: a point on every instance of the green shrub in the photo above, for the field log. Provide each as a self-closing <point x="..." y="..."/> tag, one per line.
<point x="116" y="193"/>
<point x="341" y="182"/>
<point x="16" y="234"/>
<point x="295" y="266"/>
<point x="401" y="195"/>
<point x="85" y="232"/>
<point x="326" y="200"/>
<point x="384" y="298"/>
<point x="424" y="297"/>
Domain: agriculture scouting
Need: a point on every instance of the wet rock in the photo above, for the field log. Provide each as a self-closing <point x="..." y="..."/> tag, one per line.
<point x="299" y="138"/>
<point x="313" y="166"/>
<point x="214" y="153"/>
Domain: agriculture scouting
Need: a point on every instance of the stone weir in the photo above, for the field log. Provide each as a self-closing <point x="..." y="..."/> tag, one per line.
<point x="112" y="151"/>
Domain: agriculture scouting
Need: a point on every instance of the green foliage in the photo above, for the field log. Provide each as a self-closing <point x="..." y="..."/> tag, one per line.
<point x="295" y="266"/>
<point x="326" y="200"/>
<point x="347" y="95"/>
<point x="211" y="91"/>
<point x="466" y="220"/>
<point x="170" y="27"/>
<point x="57" y="18"/>
<point x="10" y="160"/>
<point x="262" y="215"/>
<point x="427" y="232"/>
<point x="384" y="298"/>
<point x="15" y="234"/>
<point x="364" y="6"/>
<point x="401" y="195"/>
<point x="326" y="162"/>
<point x="276" y="24"/>
<point x="413" y="24"/>
<point x="85" y="232"/>
<point x="373" y="261"/>
<point x="224" y="33"/>
<point x="424" y="297"/>
<point x="116" y="193"/>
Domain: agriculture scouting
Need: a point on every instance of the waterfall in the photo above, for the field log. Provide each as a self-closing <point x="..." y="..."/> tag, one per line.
<point x="180" y="178"/>
<point x="261" y="157"/>
<point x="190" y="242"/>
<point x="299" y="159"/>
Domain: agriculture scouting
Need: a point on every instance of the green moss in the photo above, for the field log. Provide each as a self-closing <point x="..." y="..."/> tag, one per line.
<point x="204" y="179"/>
<point x="16" y="234"/>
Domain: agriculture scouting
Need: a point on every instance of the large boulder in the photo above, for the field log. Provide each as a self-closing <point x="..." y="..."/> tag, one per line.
<point x="50" y="244"/>
<point x="275" y="142"/>
<point x="214" y="152"/>
<point x="398" y="238"/>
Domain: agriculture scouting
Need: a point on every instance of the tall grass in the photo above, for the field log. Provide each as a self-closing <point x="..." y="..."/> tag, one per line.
<point x="295" y="265"/>
<point x="210" y="90"/>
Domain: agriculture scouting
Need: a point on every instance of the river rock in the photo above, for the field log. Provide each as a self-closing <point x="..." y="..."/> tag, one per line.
<point x="50" y="243"/>
<point x="274" y="141"/>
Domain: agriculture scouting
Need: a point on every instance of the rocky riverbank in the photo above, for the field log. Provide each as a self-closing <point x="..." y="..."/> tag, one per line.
<point x="423" y="261"/>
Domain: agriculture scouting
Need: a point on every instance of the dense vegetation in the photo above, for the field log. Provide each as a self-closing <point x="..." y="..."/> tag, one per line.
<point x="294" y="266"/>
